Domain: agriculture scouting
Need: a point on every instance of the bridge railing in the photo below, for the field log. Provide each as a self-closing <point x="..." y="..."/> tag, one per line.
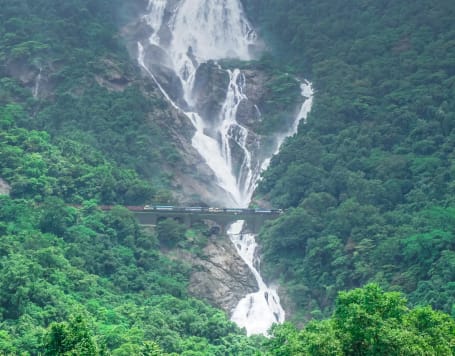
<point x="201" y="209"/>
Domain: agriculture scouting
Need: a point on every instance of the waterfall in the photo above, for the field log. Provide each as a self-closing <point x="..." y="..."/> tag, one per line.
<point x="306" y="90"/>
<point x="190" y="33"/>
<point x="232" y="133"/>
<point x="36" y="88"/>
<point x="154" y="18"/>
<point x="256" y="312"/>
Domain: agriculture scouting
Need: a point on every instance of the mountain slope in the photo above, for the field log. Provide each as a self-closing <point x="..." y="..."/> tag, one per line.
<point x="369" y="180"/>
<point x="80" y="125"/>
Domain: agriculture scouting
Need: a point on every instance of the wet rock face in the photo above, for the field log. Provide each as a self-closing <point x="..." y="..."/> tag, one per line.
<point x="211" y="86"/>
<point x="170" y="83"/>
<point x="209" y="91"/>
<point x="37" y="80"/>
<point x="248" y="112"/>
<point x="156" y="59"/>
<point x="112" y="77"/>
<point x="23" y="71"/>
<point x="221" y="278"/>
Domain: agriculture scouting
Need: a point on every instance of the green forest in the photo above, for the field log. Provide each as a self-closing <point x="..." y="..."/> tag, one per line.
<point x="368" y="183"/>
<point x="76" y="122"/>
<point x="364" y="251"/>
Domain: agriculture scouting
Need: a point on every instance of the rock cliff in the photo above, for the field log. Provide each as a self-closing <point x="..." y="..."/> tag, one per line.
<point x="220" y="276"/>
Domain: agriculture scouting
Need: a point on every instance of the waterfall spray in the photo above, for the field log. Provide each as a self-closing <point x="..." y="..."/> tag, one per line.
<point x="203" y="30"/>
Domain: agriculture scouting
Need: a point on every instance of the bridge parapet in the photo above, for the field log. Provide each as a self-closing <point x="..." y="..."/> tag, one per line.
<point x="254" y="218"/>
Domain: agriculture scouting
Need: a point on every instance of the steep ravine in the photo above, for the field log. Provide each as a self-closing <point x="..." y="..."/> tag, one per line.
<point x="179" y="46"/>
<point x="219" y="275"/>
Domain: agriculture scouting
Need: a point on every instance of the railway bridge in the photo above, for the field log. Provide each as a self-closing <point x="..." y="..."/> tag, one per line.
<point x="223" y="217"/>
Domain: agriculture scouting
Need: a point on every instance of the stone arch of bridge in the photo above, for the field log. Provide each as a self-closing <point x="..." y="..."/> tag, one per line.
<point x="253" y="221"/>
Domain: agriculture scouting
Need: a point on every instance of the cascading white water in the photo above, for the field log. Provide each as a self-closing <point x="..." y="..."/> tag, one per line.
<point x="203" y="30"/>
<point x="306" y="90"/>
<point x="36" y="88"/>
<point x="214" y="29"/>
<point x="232" y="133"/>
<point x="207" y="146"/>
<point x="154" y="18"/>
<point x="256" y="312"/>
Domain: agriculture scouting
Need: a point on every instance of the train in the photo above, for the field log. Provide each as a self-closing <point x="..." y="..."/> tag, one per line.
<point x="202" y="209"/>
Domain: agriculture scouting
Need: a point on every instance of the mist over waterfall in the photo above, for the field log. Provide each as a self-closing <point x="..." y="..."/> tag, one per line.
<point x="189" y="33"/>
<point x="188" y="38"/>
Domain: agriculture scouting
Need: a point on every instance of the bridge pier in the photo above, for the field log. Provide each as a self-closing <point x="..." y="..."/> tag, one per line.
<point x="146" y="219"/>
<point x="254" y="224"/>
<point x="187" y="221"/>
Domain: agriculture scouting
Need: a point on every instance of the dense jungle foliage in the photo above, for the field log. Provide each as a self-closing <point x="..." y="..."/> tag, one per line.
<point x="77" y="281"/>
<point x="85" y="282"/>
<point x="368" y="183"/>
<point x="88" y="101"/>
<point x="369" y="322"/>
<point x="36" y="167"/>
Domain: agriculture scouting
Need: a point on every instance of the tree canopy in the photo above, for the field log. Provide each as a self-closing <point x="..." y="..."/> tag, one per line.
<point x="367" y="183"/>
<point x="368" y="321"/>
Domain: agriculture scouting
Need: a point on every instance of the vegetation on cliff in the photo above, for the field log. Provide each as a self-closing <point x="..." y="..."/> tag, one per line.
<point x="67" y="270"/>
<point x="87" y="97"/>
<point x="77" y="123"/>
<point x="368" y="182"/>
<point x="367" y="185"/>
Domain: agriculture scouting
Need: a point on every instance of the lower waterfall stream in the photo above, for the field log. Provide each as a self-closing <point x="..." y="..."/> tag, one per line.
<point x="199" y="31"/>
<point x="256" y="312"/>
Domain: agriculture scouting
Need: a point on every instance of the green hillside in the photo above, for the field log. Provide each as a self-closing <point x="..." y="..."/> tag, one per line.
<point x="91" y="103"/>
<point x="368" y="183"/>
<point x="367" y="186"/>
<point x="80" y="281"/>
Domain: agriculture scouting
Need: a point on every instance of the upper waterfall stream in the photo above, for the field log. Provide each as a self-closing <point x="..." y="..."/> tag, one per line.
<point x="187" y="34"/>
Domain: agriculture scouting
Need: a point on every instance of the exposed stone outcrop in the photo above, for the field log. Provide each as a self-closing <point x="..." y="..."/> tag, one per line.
<point x="23" y="71"/>
<point x="221" y="277"/>
<point x="35" y="78"/>
<point x="210" y="88"/>
<point x="248" y="112"/>
<point x="193" y="181"/>
<point x="112" y="77"/>
<point x="170" y="83"/>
